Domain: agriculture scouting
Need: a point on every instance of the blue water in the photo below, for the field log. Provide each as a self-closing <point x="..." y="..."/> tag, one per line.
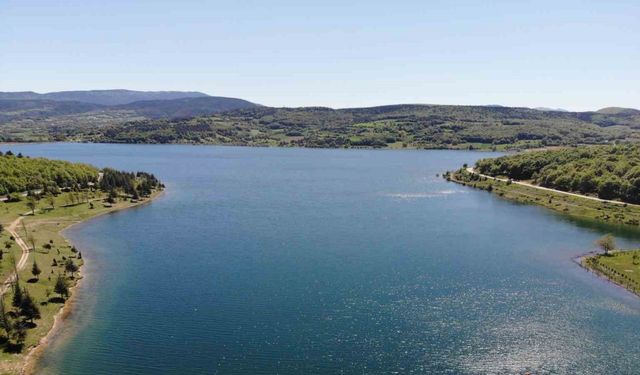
<point x="299" y="261"/>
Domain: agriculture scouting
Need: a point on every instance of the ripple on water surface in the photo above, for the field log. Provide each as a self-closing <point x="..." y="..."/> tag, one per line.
<point x="263" y="261"/>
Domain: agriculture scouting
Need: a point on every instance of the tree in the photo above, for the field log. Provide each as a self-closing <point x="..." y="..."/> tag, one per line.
<point x="70" y="267"/>
<point x="17" y="295"/>
<point x="113" y="196"/>
<point x="32" y="204"/>
<point x="51" y="200"/>
<point x="607" y="243"/>
<point x="28" y="308"/>
<point x="609" y="188"/>
<point x="35" y="270"/>
<point x="61" y="287"/>
<point x="5" y="322"/>
<point x="19" y="331"/>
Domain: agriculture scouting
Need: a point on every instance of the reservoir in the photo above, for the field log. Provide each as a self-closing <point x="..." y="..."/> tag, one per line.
<point x="309" y="261"/>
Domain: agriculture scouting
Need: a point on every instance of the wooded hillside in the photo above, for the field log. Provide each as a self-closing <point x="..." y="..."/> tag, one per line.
<point x="610" y="172"/>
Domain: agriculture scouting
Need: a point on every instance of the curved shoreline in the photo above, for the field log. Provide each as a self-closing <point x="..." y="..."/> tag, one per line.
<point x="581" y="261"/>
<point x="526" y="193"/>
<point x="36" y="352"/>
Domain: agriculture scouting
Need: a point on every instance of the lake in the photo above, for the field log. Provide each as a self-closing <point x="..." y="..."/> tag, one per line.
<point x="303" y="261"/>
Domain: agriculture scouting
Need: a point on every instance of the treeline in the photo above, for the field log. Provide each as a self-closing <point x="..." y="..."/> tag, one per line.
<point x="41" y="177"/>
<point x="610" y="172"/>
<point x="135" y="184"/>
<point x="18" y="174"/>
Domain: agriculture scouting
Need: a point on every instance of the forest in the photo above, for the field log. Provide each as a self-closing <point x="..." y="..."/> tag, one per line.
<point x="609" y="172"/>
<point x="20" y="173"/>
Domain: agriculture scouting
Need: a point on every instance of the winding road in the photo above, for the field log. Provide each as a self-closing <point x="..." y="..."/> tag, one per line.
<point x="23" y="258"/>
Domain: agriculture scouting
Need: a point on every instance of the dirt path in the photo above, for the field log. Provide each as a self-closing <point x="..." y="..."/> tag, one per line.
<point x="23" y="258"/>
<point x="471" y="170"/>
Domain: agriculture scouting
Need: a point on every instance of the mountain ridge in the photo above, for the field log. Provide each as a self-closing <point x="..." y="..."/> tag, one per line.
<point x="102" y="97"/>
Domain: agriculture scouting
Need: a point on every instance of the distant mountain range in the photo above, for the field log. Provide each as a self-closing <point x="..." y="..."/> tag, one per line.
<point x="103" y="97"/>
<point x="120" y="105"/>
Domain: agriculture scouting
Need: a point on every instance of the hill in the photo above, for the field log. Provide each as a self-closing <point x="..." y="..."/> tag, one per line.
<point x="185" y="107"/>
<point x="18" y="174"/>
<point x="102" y="97"/>
<point x="618" y="111"/>
<point x="11" y="110"/>
<point x="419" y="126"/>
<point x="45" y="119"/>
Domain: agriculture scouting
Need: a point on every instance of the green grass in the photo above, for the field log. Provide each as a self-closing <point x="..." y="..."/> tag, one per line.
<point x="620" y="267"/>
<point x="44" y="228"/>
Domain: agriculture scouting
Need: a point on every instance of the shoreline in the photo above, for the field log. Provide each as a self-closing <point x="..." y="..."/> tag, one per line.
<point x="35" y="353"/>
<point x="370" y="148"/>
<point x="565" y="203"/>
<point x="582" y="261"/>
<point x="572" y="205"/>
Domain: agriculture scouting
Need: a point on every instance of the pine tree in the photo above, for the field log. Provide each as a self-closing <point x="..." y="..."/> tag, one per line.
<point x="61" y="287"/>
<point x="35" y="270"/>
<point x="70" y="267"/>
<point x="5" y="322"/>
<point x="17" y="295"/>
<point x="19" y="331"/>
<point x="28" y="308"/>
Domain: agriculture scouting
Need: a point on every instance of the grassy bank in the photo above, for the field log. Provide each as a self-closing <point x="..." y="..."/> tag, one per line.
<point x="51" y="253"/>
<point x="622" y="268"/>
<point x="567" y="204"/>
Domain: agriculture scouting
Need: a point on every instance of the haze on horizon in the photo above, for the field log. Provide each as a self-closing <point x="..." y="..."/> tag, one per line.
<point x="576" y="55"/>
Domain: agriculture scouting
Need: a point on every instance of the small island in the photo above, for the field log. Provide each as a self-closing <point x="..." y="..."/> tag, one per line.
<point x="599" y="183"/>
<point x="39" y="198"/>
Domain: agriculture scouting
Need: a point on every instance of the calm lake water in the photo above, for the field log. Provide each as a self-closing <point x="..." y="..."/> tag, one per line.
<point x="296" y="261"/>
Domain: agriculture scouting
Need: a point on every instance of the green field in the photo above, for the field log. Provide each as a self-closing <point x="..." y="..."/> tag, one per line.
<point x="621" y="267"/>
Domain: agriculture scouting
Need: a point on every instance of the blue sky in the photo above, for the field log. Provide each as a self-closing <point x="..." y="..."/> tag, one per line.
<point x="579" y="55"/>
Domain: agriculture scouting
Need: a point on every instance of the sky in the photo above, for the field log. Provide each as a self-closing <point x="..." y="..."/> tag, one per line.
<point x="577" y="55"/>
